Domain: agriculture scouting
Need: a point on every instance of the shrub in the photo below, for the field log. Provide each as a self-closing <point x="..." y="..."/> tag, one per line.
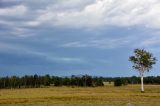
<point x="118" y="82"/>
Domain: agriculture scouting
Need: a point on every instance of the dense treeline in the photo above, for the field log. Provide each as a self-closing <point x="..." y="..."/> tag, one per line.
<point x="134" y="80"/>
<point x="35" y="81"/>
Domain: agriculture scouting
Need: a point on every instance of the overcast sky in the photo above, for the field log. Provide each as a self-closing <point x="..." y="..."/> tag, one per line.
<point x="66" y="37"/>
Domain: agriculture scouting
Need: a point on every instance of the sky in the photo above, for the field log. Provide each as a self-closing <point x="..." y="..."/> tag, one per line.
<point x="74" y="37"/>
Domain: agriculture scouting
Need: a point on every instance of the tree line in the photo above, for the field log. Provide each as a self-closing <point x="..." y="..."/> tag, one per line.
<point x="133" y="80"/>
<point x="35" y="81"/>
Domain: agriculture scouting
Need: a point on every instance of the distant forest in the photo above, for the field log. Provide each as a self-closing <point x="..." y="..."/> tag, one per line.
<point x="36" y="81"/>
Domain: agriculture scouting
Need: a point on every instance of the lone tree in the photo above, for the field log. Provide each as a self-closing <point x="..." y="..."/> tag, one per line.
<point x="142" y="61"/>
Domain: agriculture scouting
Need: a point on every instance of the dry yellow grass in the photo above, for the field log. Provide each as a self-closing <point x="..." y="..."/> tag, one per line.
<point x="78" y="96"/>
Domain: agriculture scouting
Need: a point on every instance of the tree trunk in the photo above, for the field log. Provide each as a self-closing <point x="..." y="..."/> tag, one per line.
<point x="142" y="87"/>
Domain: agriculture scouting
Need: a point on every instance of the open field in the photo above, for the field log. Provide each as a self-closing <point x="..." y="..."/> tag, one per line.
<point x="78" y="96"/>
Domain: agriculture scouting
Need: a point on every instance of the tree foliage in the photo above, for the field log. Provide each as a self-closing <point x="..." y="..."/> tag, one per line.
<point x="35" y="81"/>
<point x="142" y="60"/>
<point x="118" y="82"/>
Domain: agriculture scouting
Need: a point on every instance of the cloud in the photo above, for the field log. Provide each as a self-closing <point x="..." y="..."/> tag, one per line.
<point x="47" y="56"/>
<point x="18" y="10"/>
<point x="105" y="43"/>
<point x="101" y="13"/>
<point x="13" y="20"/>
<point x="150" y="42"/>
<point x="67" y="60"/>
<point x="28" y="15"/>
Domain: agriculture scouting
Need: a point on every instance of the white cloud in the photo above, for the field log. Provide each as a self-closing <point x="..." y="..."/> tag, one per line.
<point x="13" y="19"/>
<point x="66" y="59"/>
<point x="2" y="22"/>
<point x="100" y="43"/>
<point x="18" y="10"/>
<point x="102" y="13"/>
<point x="55" y="58"/>
<point x="79" y="13"/>
<point x="21" y="32"/>
<point x="155" y="40"/>
<point x="19" y="49"/>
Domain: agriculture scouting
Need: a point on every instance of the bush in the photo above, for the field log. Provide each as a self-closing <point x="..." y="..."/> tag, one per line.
<point x="118" y="82"/>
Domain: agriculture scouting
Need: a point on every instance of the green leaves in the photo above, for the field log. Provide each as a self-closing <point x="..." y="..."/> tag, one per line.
<point x="142" y="60"/>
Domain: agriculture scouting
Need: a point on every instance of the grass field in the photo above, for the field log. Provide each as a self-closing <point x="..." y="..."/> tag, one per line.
<point x="78" y="96"/>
